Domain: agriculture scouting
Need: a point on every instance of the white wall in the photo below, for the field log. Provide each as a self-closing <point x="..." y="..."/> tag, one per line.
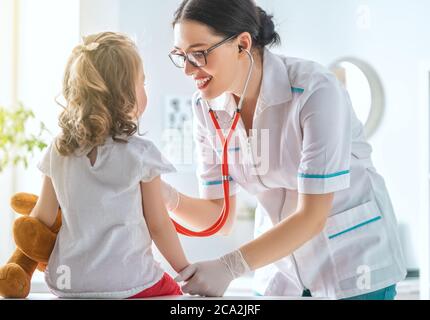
<point x="99" y="15"/>
<point x="395" y="44"/>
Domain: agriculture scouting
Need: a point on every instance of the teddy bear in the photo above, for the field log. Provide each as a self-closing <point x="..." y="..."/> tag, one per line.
<point x="34" y="242"/>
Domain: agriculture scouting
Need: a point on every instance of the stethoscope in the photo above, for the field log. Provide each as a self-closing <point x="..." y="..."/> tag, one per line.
<point x="225" y="140"/>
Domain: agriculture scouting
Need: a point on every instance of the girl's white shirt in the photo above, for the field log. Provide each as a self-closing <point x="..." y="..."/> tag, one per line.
<point x="103" y="249"/>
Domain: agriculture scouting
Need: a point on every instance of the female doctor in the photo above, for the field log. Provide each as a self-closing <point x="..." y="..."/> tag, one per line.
<point x="332" y="227"/>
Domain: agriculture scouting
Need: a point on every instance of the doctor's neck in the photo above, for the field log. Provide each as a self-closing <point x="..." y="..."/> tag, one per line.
<point x="253" y="91"/>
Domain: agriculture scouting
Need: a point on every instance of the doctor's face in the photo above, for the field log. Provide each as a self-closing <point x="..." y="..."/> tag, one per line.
<point x="219" y="75"/>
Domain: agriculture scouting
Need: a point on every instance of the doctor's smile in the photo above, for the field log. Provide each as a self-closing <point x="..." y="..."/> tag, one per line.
<point x="202" y="83"/>
<point x="245" y="165"/>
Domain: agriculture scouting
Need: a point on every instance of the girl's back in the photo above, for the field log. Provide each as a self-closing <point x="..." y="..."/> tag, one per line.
<point x="104" y="246"/>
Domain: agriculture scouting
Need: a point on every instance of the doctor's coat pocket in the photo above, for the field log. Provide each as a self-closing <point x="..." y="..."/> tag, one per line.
<point x="358" y="240"/>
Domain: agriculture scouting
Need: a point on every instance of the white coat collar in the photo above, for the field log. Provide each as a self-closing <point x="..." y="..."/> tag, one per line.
<point x="275" y="87"/>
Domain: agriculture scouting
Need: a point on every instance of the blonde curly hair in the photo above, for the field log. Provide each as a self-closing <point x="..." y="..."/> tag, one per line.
<point x="99" y="88"/>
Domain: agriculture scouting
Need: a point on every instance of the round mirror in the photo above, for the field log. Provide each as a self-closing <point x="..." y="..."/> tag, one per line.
<point x="365" y="91"/>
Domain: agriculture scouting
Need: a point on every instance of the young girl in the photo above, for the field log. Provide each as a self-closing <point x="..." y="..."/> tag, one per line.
<point x="107" y="182"/>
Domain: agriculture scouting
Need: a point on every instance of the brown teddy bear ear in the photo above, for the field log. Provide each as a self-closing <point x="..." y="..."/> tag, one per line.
<point x="23" y="203"/>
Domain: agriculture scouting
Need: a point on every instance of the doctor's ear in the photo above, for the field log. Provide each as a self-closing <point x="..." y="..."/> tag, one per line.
<point x="245" y="42"/>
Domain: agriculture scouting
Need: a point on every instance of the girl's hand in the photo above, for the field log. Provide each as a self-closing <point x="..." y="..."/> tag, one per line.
<point x="212" y="278"/>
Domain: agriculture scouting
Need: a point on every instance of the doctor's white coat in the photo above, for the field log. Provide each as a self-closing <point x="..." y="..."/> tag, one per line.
<point x="306" y="139"/>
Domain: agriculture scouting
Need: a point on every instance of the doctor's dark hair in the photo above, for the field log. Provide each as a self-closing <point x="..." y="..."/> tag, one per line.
<point x="231" y="17"/>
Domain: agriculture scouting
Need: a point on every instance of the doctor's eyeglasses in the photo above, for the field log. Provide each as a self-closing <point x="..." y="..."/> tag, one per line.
<point x="196" y="58"/>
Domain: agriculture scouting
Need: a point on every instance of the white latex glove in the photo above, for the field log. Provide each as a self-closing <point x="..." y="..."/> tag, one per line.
<point x="170" y="196"/>
<point x="212" y="278"/>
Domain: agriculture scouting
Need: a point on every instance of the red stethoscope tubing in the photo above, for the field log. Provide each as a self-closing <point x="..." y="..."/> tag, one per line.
<point x="219" y="224"/>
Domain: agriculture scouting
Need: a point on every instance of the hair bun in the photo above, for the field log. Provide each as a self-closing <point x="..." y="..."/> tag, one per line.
<point x="267" y="34"/>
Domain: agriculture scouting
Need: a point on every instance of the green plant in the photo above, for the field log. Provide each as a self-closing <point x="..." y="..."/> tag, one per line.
<point x="16" y="143"/>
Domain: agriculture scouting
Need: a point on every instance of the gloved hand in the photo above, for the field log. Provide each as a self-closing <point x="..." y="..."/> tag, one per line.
<point x="170" y="196"/>
<point x="212" y="278"/>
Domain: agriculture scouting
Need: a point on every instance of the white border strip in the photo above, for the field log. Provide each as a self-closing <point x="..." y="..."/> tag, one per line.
<point x="424" y="187"/>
